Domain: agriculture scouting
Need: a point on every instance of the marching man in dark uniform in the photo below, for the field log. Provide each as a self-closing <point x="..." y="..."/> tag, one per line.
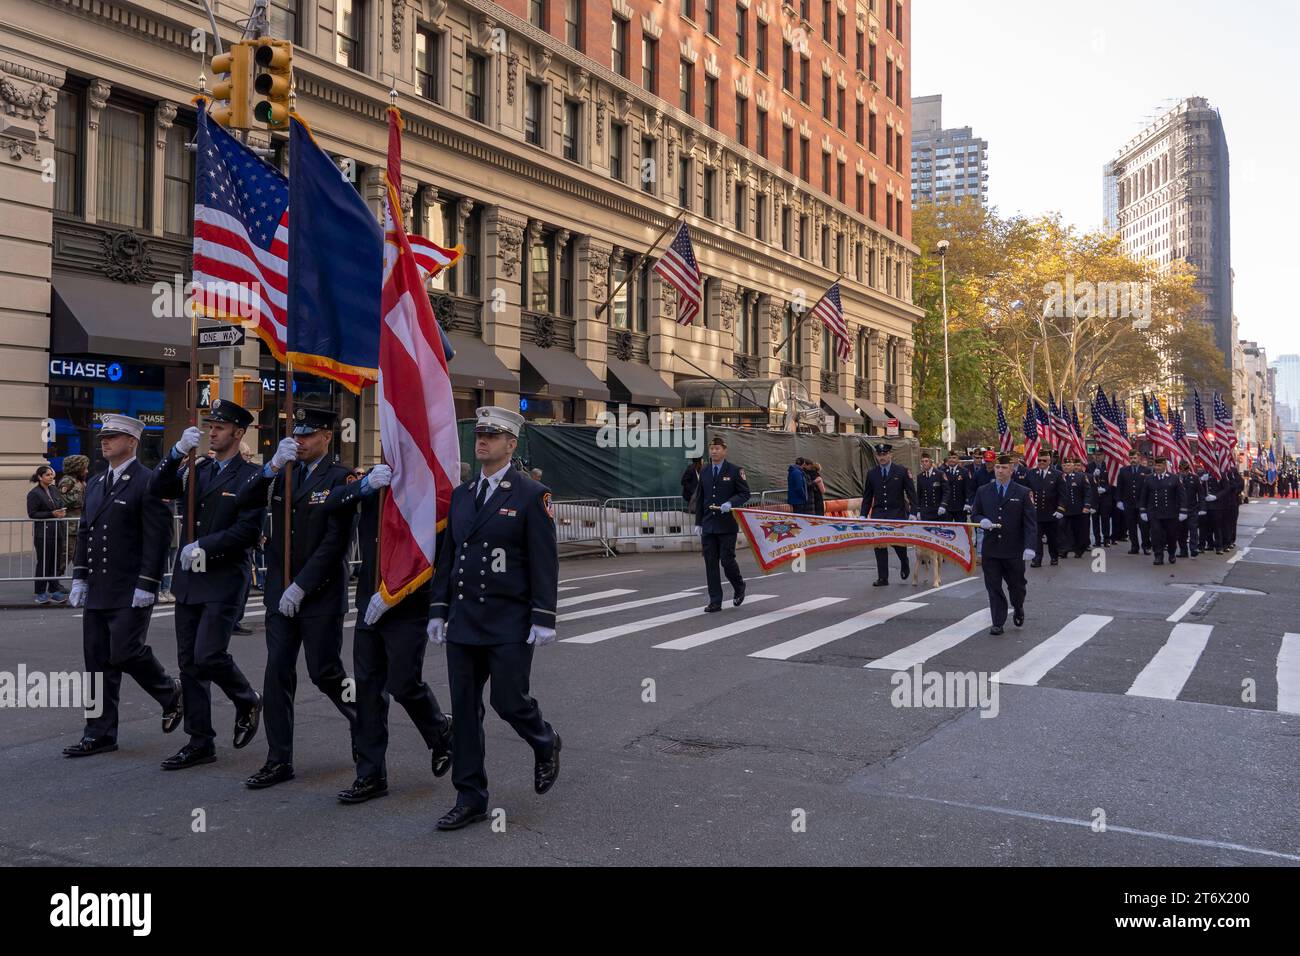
<point x="1045" y="483"/>
<point x="1213" y="500"/>
<point x="723" y="486"/>
<point x="1189" y="539"/>
<point x="305" y="612"/>
<point x="388" y="648"/>
<point x="931" y="491"/>
<point x="959" y="481"/>
<point x="889" y="493"/>
<point x="1104" y="497"/>
<point x="1128" y="495"/>
<point x="493" y="602"/>
<point x="122" y="542"/>
<point x="208" y="577"/>
<point x="1164" y="504"/>
<point x="1005" y="511"/>
<point x="1075" y="502"/>
<point x="1235" y="485"/>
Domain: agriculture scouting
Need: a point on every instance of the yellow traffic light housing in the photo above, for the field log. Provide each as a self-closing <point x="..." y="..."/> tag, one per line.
<point x="236" y="111"/>
<point x="274" y="59"/>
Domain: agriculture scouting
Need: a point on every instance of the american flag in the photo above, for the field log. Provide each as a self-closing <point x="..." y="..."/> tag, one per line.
<point x="1225" y="434"/>
<point x="1006" y="441"/>
<point x="1067" y="442"/>
<point x="1078" y="432"/>
<point x="1030" y="428"/>
<point x="831" y="312"/>
<point x="1119" y="415"/>
<point x="1114" y="444"/>
<point x="1045" y="426"/>
<point x="241" y="235"/>
<point x="1206" y="445"/>
<point x="679" y="269"/>
<point x="1157" y="430"/>
<point x="1180" y="437"/>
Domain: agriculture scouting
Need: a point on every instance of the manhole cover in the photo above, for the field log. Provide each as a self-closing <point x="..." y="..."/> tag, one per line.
<point x="693" y="748"/>
<point x="1219" y="589"/>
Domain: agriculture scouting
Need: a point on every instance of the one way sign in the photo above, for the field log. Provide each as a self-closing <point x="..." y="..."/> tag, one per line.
<point x="221" y="335"/>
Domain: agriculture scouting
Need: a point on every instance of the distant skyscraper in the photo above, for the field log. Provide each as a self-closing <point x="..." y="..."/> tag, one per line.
<point x="948" y="165"/>
<point x="1109" y="200"/>
<point x="1288" y="385"/>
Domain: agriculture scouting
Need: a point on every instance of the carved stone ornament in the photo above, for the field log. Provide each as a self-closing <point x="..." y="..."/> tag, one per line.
<point x="512" y="76"/>
<point x="486" y="29"/>
<point x="601" y="107"/>
<point x="126" y="256"/>
<point x="667" y="300"/>
<point x="561" y="240"/>
<point x="544" y="331"/>
<point x="444" y="310"/>
<point x="598" y="273"/>
<point x="510" y="236"/>
<point x="35" y="102"/>
<point x="408" y="199"/>
<point x="97" y="96"/>
<point x="541" y="61"/>
<point x="399" y="23"/>
<point x="623" y="346"/>
<point x="19" y="147"/>
<point x="727" y="308"/>
<point x="164" y="117"/>
<point x="463" y="208"/>
<point x="775" y="313"/>
<point x="672" y="145"/>
<point x="434" y="10"/>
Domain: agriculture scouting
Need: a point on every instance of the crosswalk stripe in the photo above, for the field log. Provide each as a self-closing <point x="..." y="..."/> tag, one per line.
<point x="592" y="577"/>
<point x="746" y="624"/>
<point x="936" y="643"/>
<point x="594" y="596"/>
<point x="1029" y="669"/>
<point x="1288" y="675"/>
<point x="625" y="606"/>
<point x="618" y="630"/>
<point x="572" y="587"/>
<point x="807" y="642"/>
<point x="1167" y="672"/>
<point x="1185" y="607"/>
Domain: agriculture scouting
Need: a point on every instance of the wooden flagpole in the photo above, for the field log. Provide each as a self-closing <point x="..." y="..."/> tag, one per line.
<point x="287" y="524"/>
<point x="191" y="456"/>
<point x="806" y="313"/>
<point x="646" y="255"/>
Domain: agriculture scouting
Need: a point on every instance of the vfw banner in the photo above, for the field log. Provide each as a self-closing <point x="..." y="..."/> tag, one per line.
<point x="777" y="537"/>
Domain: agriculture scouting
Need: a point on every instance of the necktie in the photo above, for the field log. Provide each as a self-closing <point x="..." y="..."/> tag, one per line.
<point x="884" y="471"/>
<point x="482" y="494"/>
<point x="716" y="470"/>
<point x="1002" y="492"/>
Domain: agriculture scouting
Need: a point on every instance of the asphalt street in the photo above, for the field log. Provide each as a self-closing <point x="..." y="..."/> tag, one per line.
<point x="1144" y="716"/>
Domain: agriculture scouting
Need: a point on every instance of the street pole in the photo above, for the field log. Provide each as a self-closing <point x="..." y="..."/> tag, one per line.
<point x="943" y="289"/>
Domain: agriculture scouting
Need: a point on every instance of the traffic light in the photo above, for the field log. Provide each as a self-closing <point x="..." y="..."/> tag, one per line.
<point x="234" y="88"/>
<point x="271" y="80"/>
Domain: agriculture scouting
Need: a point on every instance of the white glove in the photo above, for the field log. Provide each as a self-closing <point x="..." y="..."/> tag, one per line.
<point x="1143" y="516"/>
<point x="189" y="440"/>
<point x="285" y="452"/>
<point x="142" y="598"/>
<point x="1182" y="516"/>
<point x="943" y="510"/>
<point x="699" y="532"/>
<point x="1087" y="511"/>
<point x="438" y="631"/>
<point x="1028" y="554"/>
<point x="379" y="477"/>
<point x="915" y="517"/>
<point x="1102" y="489"/>
<point x="725" y="507"/>
<point x="1199" y="513"/>
<point x="967" y="507"/>
<point x="1119" y="505"/>
<point x="540" y="636"/>
<point x="291" y="600"/>
<point x="187" y="555"/>
<point x="1211" y="497"/>
<point x="986" y="524"/>
<point x="375" y="609"/>
<point x="78" y="595"/>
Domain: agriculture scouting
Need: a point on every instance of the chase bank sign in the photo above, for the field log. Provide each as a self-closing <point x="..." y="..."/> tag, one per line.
<point x="99" y="371"/>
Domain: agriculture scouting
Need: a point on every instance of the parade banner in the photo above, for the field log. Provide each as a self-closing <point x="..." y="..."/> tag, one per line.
<point x="777" y="537"/>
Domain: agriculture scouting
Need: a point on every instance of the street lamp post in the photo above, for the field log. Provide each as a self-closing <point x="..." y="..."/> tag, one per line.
<point x="947" y="387"/>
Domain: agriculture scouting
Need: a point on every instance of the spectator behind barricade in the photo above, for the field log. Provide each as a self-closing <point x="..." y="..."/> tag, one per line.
<point x="691" y="482"/>
<point x="817" y="487"/>
<point x="536" y="474"/>
<point x="796" y="491"/>
<point x="165" y="595"/>
<point x="45" y="508"/>
<point x="72" y="489"/>
<point x="465" y="471"/>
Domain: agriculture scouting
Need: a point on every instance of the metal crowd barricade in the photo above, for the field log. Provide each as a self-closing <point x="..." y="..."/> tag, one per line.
<point x="579" y="523"/>
<point x="18" y="547"/>
<point x="775" y="496"/>
<point x="647" y="520"/>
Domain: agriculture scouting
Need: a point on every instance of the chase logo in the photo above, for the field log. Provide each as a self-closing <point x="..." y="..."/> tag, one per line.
<point x="114" y="372"/>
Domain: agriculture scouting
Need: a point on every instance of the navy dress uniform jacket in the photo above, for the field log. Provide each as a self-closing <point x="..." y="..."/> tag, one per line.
<point x="1015" y="512"/>
<point x="1163" y="496"/>
<point x="122" y="539"/>
<point x="931" y="494"/>
<point x="1047" y="492"/>
<point x="892" y="497"/>
<point x="486" y="602"/>
<point x="978" y="479"/>
<point x="318" y="556"/>
<point x="415" y="604"/>
<point x="225" y="526"/>
<point x="1128" y="486"/>
<point x="1075" y="492"/>
<point x="731" y="485"/>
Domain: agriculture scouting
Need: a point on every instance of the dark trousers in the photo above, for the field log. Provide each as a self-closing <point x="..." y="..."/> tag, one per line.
<point x="468" y="668"/>
<point x="996" y="571"/>
<point x="50" y="557"/>
<point x="1074" y="532"/>
<point x="1164" y="535"/>
<point x="114" y="643"/>
<point x="1222" y="527"/>
<point x="1189" y="538"/>
<point x="242" y="601"/>
<point x="1233" y="509"/>
<point x="1209" y="523"/>
<point x="202" y="650"/>
<point x="388" y="660"/>
<point x="322" y="640"/>
<point x="1047" y="531"/>
<point x="719" y="549"/>
<point x="1137" y="530"/>
<point x="882" y="562"/>
<point x="1100" y="520"/>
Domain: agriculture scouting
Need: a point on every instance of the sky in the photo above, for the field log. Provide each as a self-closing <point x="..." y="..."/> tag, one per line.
<point x="1057" y="87"/>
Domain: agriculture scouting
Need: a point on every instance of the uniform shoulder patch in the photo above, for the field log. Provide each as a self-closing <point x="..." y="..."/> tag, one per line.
<point x="546" y="503"/>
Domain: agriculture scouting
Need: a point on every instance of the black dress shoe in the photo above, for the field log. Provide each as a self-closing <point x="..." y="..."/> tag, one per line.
<point x="270" y="774"/>
<point x="995" y="630"/>
<point x="87" y="746"/>
<point x="441" y="753"/>
<point x="247" y="722"/>
<point x="1036" y="563"/>
<point x="240" y="629"/>
<point x="879" y="582"/>
<point x="171" y="718"/>
<point x="1157" y="562"/>
<point x="545" y="771"/>
<point x="363" y="789"/>
<point x="905" y="572"/>
<point x="460" y="816"/>
<point x="1132" y="550"/>
<point x="712" y="607"/>
<point x="190" y="756"/>
<point x="738" y="598"/>
<point x="1078" y="554"/>
<point x="1173" y="560"/>
<point x="1055" y="561"/>
<point x="1146" y="550"/>
<point x="1018" y="616"/>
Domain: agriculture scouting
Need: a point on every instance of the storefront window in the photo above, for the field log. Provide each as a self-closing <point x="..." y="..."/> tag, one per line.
<point x="307" y="390"/>
<point x="542" y="410"/>
<point x="83" y="389"/>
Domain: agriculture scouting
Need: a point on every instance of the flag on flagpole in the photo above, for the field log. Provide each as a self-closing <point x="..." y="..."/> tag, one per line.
<point x="677" y="267"/>
<point x="417" y="414"/>
<point x="1045" y="427"/>
<point x="1030" y="428"/>
<point x="1006" y="440"/>
<point x="1225" y="434"/>
<point x="1113" y="442"/>
<point x="1180" y="438"/>
<point x="830" y="310"/>
<point x="1206" y="443"/>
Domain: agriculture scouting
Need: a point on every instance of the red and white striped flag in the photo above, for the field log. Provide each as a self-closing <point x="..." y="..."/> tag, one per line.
<point x="1225" y="434"/>
<point x="830" y="310"/>
<point x="677" y="267"/>
<point x="1006" y="440"/>
<point x="417" y="416"/>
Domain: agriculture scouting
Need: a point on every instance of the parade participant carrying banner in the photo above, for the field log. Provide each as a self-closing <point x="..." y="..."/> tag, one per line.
<point x="777" y="537"/>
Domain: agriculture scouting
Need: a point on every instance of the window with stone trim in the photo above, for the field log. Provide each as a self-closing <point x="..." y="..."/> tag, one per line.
<point x="69" y="150"/>
<point x="476" y="80"/>
<point x="350" y="33"/>
<point x="428" y="63"/>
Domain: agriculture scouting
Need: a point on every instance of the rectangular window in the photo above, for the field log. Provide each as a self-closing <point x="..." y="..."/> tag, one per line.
<point x="572" y="129"/>
<point x="67" y="154"/>
<point x="871" y="64"/>
<point x="826" y="173"/>
<point x="859" y="51"/>
<point x="871" y="134"/>
<point x="839" y="108"/>
<point x="803" y="237"/>
<point x="428" y="62"/>
<point x="711" y="101"/>
<point x="898" y="85"/>
<point x="539" y="276"/>
<point x="898" y="218"/>
<point x="537" y="13"/>
<point x="476" y="87"/>
<point x="650" y="64"/>
<point x="871" y="202"/>
<point x="787" y="148"/>
<point x="686" y="86"/>
<point x="839" y="180"/>
<point x="860" y="190"/>
<point x="760" y="216"/>
<point x="803" y="81"/>
<point x="889" y="148"/>
<point x="738" y="205"/>
<point x="648" y="164"/>
<point x="742" y="31"/>
<point x="826" y="20"/>
<point x="566" y="285"/>
<point x="618" y="306"/>
<point x="178" y="183"/>
<point x="859" y="122"/>
<point x="826" y="98"/>
<point x="533" y="113"/>
<point x="283" y="19"/>
<point x="688" y="9"/>
<point x="710" y="198"/>
<point x="618" y="46"/>
<point x="573" y="23"/>
<point x="685" y="182"/>
<point x="889" y="16"/>
<point x="785" y="228"/>
<point x="711" y="16"/>
<point x="787" y="67"/>
<point x="617" y="148"/>
<point x="122" y="174"/>
<point x="742" y="121"/>
<point x="826" y="246"/>
<point x="471" y="280"/>
<point x="803" y="160"/>
<point x="898" y="151"/>
<point x="760" y="46"/>
<point x="872" y="269"/>
<point x="889" y="213"/>
<point x="350" y="21"/>
<point x="760" y="133"/>
<point x="840" y="39"/>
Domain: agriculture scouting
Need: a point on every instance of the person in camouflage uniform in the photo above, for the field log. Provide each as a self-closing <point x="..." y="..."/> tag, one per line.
<point x="72" y="487"/>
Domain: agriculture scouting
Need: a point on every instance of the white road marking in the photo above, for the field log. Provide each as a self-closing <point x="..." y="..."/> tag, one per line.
<point x="1033" y="666"/>
<point x="942" y="587"/>
<point x="1288" y="675"/>
<point x="936" y="643"/>
<point x="807" y="642"/>
<point x="592" y="577"/>
<point x="1185" y="607"/>
<point x="747" y="624"/>
<point x="625" y="606"/>
<point x="595" y="637"/>
<point x="1241" y="553"/>
<point x="573" y="588"/>
<point x="1167" y="672"/>
<point x="594" y="596"/>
